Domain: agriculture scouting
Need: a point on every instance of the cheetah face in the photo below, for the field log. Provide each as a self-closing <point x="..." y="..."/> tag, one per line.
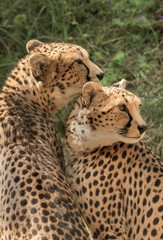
<point x="112" y="113"/>
<point x="61" y="69"/>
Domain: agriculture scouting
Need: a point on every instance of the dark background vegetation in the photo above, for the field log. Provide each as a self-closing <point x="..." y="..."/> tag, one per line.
<point x="123" y="37"/>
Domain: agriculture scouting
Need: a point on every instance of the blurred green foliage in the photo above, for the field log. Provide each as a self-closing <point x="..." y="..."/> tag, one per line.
<point x="123" y="37"/>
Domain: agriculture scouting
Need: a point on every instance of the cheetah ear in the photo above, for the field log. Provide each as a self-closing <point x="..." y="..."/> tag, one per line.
<point x="120" y="84"/>
<point x="39" y="64"/>
<point x="88" y="93"/>
<point x="32" y="44"/>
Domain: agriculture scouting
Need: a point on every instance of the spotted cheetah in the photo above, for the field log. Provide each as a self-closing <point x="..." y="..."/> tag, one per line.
<point x="115" y="177"/>
<point x="36" y="200"/>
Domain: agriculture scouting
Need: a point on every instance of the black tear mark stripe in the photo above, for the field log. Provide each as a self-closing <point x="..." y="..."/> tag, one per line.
<point x="129" y="122"/>
<point x="88" y="77"/>
<point x="79" y="61"/>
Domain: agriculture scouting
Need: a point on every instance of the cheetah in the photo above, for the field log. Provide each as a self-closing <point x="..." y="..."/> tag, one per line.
<point x="116" y="179"/>
<point x="36" y="200"/>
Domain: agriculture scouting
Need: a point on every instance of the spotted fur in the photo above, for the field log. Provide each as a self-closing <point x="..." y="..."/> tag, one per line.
<point x="116" y="179"/>
<point x="36" y="200"/>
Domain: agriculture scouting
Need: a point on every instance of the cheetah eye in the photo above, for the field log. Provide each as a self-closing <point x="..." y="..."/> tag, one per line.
<point x="79" y="61"/>
<point x="121" y="107"/>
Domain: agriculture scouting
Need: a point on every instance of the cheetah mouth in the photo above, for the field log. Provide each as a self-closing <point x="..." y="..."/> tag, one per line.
<point x="132" y="137"/>
<point x="128" y="139"/>
<point x="124" y="132"/>
<point x="135" y="139"/>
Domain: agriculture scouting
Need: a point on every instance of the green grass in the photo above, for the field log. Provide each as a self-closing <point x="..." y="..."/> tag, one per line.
<point x="123" y="38"/>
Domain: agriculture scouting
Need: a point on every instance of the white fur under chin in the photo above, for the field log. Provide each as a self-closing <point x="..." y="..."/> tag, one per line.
<point x="100" y="139"/>
<point x="83" y="138"/>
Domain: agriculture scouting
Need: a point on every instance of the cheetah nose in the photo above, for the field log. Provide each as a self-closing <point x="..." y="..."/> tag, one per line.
<point x="100" y="76"/>
<point x="142" y="128"/>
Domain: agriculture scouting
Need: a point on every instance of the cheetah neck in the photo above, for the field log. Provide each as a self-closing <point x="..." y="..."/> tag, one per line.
<point x="23" y="112"/>
<point x="82" y="138"/>
<point x="23" y="91"/>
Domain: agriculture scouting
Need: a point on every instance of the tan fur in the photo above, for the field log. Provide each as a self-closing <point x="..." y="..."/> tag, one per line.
<point x="116" y="179"/>
<point x="36" y="200"/>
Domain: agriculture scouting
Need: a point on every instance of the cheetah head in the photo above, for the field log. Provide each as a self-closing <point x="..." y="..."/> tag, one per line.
<point x="107" y="115"/>
<point x="61" y="69"/>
